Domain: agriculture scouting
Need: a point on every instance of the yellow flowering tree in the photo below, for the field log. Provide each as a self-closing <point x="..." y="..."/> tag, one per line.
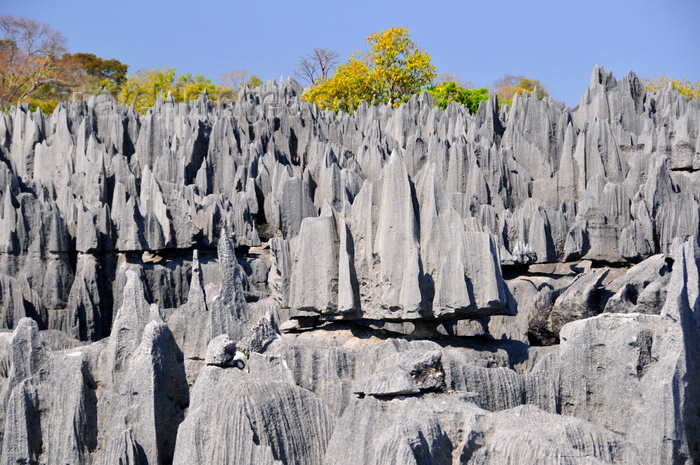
<point x="689" y="89"/>
<point x="391" y="71"/>
<point x="351" y="83"/>
<point x="399" y="67"/>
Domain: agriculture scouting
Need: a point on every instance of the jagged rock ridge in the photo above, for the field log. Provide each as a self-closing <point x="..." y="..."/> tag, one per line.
<point x="148" y="262"/>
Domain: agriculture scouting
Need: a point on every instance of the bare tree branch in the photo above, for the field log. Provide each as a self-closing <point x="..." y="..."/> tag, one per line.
<point x="234" y="79"/>
<point x="306" y="70"/>
<point x="317" y="65"/>
<point x="452" y="77"/>
<point x="505" y="87"/>
<point x="326" y="59"/>
<point x="29" y="53"/>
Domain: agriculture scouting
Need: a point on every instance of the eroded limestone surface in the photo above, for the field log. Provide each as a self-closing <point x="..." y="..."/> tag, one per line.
<point x="266" y="283"/>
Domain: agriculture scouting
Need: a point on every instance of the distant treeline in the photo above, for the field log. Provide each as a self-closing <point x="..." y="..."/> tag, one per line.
<point x="37" y="69"/>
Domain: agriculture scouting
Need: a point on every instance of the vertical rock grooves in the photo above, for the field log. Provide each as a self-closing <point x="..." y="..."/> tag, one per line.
<point x="266" y="283"/>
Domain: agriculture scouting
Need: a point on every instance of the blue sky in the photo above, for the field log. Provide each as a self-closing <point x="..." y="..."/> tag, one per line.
<point x="557" y="42"/>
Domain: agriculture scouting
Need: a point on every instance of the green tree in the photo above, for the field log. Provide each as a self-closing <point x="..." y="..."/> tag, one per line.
<point x="449" y="92"/>
<point x="530" y="86"/>
<point x="84" y="73"/>
<point x="100" y="73"/>
<point x="189" y="87"/>
<point x="391" y="71"/>
<point x="254" y="82"/>
<point x="398" y="65"/>
<point x="143" y="88"/>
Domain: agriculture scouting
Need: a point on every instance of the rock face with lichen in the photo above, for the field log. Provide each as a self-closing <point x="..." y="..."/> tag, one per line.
<point x="264" y="282"/>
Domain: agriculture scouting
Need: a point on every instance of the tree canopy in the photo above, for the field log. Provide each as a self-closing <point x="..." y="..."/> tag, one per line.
<point x="86" y="73"/>
<point x="36" y="68"/>
<point x="391" y="71"/>
<point x="143" y="87"/>
<point x="108" y="74"/>
<point x="509" y="85"/>
<point x="29" y="58"/>
<point x="351" y="83"/>
<point x="448" y="92"/>
<point x="400" y="67"/>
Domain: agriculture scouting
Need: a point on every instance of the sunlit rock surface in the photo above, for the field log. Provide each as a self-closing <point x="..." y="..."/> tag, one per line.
<point x="265" y="283"/>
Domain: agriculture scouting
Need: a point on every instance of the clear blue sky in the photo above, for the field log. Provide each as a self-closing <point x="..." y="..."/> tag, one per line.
<point x="557" y="42"/>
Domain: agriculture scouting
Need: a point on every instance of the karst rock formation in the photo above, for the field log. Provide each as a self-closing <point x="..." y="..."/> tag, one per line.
<point x="261" y="282"/>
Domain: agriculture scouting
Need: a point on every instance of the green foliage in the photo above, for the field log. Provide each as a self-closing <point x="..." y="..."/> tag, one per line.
<point x="190" y="87"/>
<point x="689" y="89"/>
<point x="400" y="68"/>
<point x="143" y="88"/>
<point x="112" y="69"/>
<point x="84" y="74"/>
<point x="102" y="74"/>
<point x="35" y="68"/>
<point x="46" y="106"/>
<point x="530" y="86"/>
<point x="449" y="92"/>
<point x="254" y="81"/>
<point x="390" y="72"/>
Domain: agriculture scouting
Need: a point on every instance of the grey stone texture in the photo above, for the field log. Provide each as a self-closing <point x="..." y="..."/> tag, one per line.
<point x="516" y="286"/>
